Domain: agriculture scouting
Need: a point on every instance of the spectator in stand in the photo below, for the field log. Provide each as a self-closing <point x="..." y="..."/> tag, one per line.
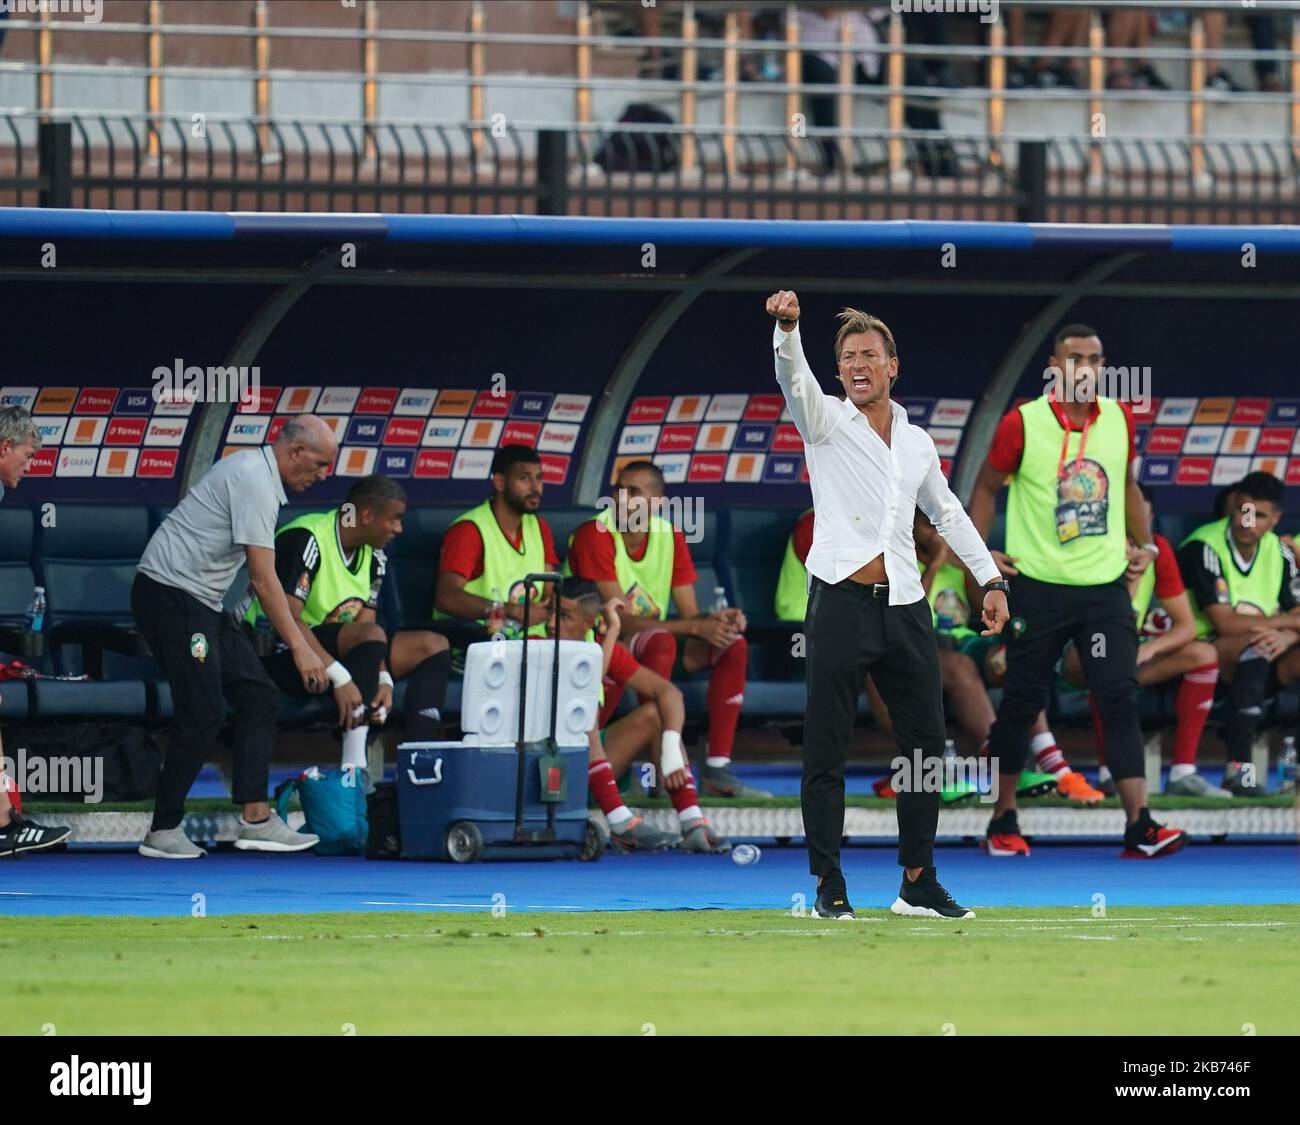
<point x="1130" y="28"/>
<point x="822" y="26"/>
<point x="1065" y="28"/>
<point x="1263" y="36"/>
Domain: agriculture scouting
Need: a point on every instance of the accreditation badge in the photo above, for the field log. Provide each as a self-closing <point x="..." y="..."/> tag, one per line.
<point x="199" y="647"/>
<point x="1067" y="523"/>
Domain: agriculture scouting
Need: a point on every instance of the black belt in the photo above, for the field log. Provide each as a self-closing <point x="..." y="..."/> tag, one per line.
<point x="872" y="589"/>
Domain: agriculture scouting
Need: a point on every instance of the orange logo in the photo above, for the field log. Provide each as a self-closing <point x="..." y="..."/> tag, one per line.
<point x="455" y="403"/>
<point x="55" y="400"/>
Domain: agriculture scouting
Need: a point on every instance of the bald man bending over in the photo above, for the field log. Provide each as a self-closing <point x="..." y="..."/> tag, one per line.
<point x="184" y="575"/>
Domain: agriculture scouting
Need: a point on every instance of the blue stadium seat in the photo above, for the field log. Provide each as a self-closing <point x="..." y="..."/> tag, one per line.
<point x="15" y="699"/>
<point x="704" y="553"/>
<point x="564" y="522"/>
<point x="17" y="583"/>
<point x="87" y="562"/>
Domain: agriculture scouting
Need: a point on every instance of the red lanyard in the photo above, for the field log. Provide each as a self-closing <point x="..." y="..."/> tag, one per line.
<point x="1065" y="445"/>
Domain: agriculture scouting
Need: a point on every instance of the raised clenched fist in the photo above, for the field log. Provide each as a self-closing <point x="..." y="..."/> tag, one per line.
<point x="784" y="305"/>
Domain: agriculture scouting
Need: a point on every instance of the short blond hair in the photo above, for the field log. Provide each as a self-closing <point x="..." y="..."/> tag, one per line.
<point x="853" y="321"/>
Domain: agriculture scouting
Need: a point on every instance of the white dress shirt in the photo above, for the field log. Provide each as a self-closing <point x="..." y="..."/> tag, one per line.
<point x="865" y="493"/>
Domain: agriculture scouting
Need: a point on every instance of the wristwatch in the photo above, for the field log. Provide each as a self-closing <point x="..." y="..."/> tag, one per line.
<point x="1155" y="551"/>
<point x="999" y="584"/>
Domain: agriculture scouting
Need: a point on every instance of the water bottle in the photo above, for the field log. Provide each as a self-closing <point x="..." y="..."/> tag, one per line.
<point x="496" y="614"/>
<point x="719" y="599"/>
<point x="745" y="854"/>
<point x="1286" y="767"/>
<point x="36" y="611"/>
<point x="515" y="629"/>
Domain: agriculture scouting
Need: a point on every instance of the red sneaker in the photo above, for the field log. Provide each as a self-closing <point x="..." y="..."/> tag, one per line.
<point x="882" y="788"/>
<point x="1003" y="836"/>
<point x="1145" y="839"/>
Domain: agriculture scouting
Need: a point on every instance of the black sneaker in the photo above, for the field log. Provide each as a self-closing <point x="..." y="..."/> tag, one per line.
<point x="23" y="835"/>
<point x="833" y="899"/>
<point x="926" y="898"/>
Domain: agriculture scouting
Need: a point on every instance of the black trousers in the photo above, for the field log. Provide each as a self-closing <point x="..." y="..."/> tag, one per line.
<point x="850" y="632"/>
<point x="1099" y="619"/>
<point x="180" y="629"/>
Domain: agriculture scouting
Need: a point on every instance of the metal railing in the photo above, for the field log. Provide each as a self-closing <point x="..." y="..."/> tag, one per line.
<point x="686" y="93"/>
<point x="138" y="161"/>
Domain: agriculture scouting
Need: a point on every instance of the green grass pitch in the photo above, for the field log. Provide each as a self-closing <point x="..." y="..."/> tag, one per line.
<point x="1174" y="970"/>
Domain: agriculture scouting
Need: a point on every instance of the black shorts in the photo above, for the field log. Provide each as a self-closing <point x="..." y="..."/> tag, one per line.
<point x="282" y="670"/>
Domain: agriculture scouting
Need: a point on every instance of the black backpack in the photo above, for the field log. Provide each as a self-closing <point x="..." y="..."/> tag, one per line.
<point x="131" y="758"/>
<point x="626" y="151"/>
<point x="385" y="838"/>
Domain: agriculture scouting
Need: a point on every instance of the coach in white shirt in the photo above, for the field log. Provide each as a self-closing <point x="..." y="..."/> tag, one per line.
<point x="870" y="469"/>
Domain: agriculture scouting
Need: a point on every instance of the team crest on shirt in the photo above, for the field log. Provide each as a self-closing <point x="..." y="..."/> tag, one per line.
<point x="199" y="647"/>
<point x="345" y="611"/>
<point x="1221" y="594"/>
<point x="302" y="588"/>
<point x="1082" y="500"/>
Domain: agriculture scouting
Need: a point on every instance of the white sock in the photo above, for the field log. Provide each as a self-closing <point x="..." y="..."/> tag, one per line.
<point x="717" y="762"/>
<point x="1177" y="773"/>
<point x="692" y="812"/>
<point x="1103" y="773"/>
<point x="620" y="815"/>
<point x="354" y="747"/>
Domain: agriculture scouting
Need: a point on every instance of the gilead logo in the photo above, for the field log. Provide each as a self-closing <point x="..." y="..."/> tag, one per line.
<point x="132" y="1080"/>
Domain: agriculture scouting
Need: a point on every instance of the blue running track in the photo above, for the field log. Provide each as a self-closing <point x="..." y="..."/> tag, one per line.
<point x="99" y="882"/>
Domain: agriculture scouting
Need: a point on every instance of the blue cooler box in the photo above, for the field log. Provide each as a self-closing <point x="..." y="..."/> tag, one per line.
<point x="457" y="802"/>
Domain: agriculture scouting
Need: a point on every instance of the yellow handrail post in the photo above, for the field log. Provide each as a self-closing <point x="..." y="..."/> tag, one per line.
<point x="261" y="83"/>
<point x="369" y="68"/>
<point x="477" y="21"/>
<point x="690" y="59"/>
<point x="1196" y="104"/>
<point x="730" y="76"/>
<point x="793" y="75"/>
<point x="897" y="80"/>
<point x="153" y="82"/>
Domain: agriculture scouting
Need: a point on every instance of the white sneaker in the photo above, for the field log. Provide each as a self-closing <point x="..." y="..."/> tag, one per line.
<point x="170" y="843"/>
<point x="273" y="835"/>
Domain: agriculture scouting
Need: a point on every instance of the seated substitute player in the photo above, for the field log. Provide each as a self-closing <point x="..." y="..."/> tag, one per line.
<point x="1167" y="650"/>
<point x="968" y="661"/>
<point x="645" y="564"/>
<point x="1246" y="598"/>
<point x="654" y="728"/>
<point x="331" y="566"/>
<point x="496" y="544"/>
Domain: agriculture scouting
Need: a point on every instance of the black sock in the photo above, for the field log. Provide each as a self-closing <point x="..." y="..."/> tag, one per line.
<point x="1247" y="691"/>
<point x="426" y="691"/>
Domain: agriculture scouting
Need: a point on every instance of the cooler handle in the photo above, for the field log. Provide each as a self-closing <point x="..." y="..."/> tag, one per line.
<point x="434" y="780"/>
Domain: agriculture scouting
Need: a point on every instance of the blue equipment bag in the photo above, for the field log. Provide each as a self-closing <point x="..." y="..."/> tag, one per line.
<point x="334" y="804"/>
